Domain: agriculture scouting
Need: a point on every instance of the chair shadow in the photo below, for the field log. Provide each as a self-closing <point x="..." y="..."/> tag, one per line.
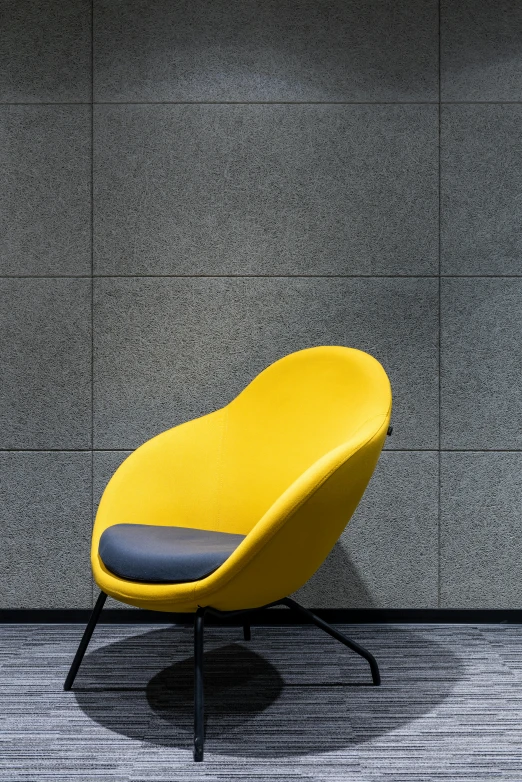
<point x="337" y="576"/>
<point x="252" y="710"/>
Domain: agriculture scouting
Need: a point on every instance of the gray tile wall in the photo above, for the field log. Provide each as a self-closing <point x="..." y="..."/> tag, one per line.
<point x="191" y="190"/>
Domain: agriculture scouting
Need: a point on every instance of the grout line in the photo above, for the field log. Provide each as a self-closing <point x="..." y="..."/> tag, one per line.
<point x="311" y="103"/>
<point x="213" y="276"/>
<point x="325" y="276"/>
<point x="260" y="276"/>
<point x="45" y="450"/>
<point x="481" y="102"/>
<point x="225" y="103"/>
<point x="439" y="492"/>
<point x="265" y="276"/>
<point x="92" y="283"/>
<point x="267" y="102"/>
<point x="47" y="103"/>
<point x="480" y="450"/>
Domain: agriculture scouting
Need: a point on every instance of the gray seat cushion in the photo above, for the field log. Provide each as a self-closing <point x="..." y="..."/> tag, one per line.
<point x="164" y="555"/>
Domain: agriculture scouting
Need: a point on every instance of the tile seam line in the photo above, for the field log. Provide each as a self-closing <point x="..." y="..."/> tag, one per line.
<point x="223" y="103"/>
<point x="91" y="580"/>
<point x="214" y="276"/>
<point x="266" y="103"/>
<point x="304" y="103"/>
<point x="439" y="215"/>
<point x="261" y="276"/>
<point x="225" y="277"/>
<point x="269" y="103"/>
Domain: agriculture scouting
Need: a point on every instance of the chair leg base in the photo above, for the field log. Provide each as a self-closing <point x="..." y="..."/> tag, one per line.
<point x="199" y="626"/>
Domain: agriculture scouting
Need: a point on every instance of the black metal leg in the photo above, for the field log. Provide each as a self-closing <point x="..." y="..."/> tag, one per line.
<point x="199" y="626"/>
<point x="199" y="702"/>
<point x="376" y="676"/>
<point x="85" y="641"/>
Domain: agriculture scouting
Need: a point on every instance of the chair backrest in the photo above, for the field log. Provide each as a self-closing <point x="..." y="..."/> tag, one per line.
<point x="292" y="414"/>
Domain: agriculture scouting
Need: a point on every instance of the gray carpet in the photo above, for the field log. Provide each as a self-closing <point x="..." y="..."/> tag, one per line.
<point x="292" y="704"/>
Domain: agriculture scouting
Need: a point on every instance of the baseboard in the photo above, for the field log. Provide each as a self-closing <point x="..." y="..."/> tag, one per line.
<point x="277" y="617"/>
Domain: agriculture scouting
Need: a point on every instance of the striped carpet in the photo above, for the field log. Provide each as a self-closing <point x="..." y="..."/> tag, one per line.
<point x="292" y="704"/>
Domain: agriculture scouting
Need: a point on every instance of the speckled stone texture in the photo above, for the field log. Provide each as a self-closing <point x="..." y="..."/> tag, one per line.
<point x="45" y="199"/>
<point x="481" y="392"/>
<point x="481" y="186"/>
<point x="251" y="50"/>
<point x="45" y="51"/>
<point x="45" y="393"/>
<point x="481" y="45"/>
<point x="266" y="189"/>
<point x="481" y="500"/>
<point x="45" y="512"/>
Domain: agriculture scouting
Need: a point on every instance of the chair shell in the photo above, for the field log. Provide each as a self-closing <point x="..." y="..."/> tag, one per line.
<point x="285" y="463"/>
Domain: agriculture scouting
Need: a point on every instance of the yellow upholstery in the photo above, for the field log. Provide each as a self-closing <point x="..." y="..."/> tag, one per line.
<point x="285" y="463"/>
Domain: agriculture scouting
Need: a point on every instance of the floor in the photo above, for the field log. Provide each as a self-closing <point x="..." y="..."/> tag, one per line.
<point x="291" y="704"/>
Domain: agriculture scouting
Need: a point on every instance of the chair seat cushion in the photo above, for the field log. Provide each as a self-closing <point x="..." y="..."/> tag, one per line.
<point x="164" y="555"/>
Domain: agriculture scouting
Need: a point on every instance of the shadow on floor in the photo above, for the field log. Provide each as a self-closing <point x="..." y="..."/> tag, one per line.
<point x="302" y="695"/>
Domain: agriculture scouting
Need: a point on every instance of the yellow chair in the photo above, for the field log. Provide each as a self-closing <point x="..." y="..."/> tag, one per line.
<point x="237" y="509"/>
